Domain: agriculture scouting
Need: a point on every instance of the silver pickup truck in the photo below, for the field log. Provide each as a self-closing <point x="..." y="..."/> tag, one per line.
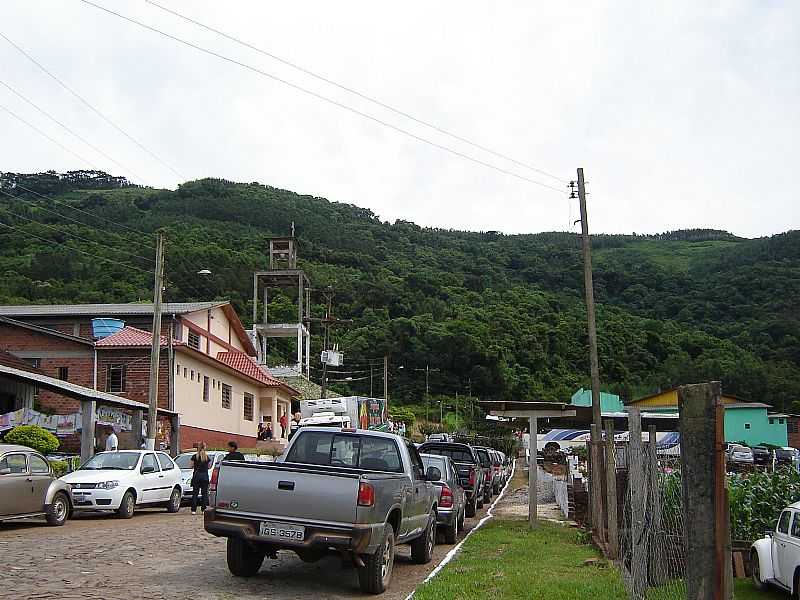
<point x="353" y="492"/>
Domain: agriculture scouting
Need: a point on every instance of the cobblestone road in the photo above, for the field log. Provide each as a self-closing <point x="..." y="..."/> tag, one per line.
<point x="158" y="555"/>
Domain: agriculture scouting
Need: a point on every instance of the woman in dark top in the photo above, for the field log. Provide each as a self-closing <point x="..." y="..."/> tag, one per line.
<point x="200" y="465"/>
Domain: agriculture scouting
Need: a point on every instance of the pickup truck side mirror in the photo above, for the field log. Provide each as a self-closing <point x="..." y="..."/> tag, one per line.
<point x="433" y="474"/>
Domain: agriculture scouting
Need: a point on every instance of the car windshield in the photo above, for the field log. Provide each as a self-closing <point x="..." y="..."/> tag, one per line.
<point x="484" y="456"/>
<point x="456" y="454"/>
<point x="123" y="461"/>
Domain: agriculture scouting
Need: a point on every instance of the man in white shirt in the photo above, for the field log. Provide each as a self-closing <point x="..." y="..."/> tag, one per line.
<point x="112" y="445"/>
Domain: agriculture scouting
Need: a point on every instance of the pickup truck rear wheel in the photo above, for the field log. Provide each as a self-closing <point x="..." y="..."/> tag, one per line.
<point x="422" y="547"/>
<point x="756" y="572"/>
<point x="243" y="559"/>
<point x="471" y="508"/>
<point x="375" y="575"/>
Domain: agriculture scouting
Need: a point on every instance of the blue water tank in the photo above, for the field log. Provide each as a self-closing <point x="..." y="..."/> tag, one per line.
<point x="105" y="327"/>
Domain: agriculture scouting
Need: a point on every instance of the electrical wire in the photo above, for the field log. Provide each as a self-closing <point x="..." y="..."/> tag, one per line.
<point x="90" y="106"/>
<point x="63" y="126"/>
<point x="324" y="98"/>
<point x="53" y="140"/>
<point x="75" y="235"/>
<point x="356" y="92"/>
<point x="108" y="260"/>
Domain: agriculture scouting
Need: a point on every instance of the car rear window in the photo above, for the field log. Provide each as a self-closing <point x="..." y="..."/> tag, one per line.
<point x="341" y="450"/>
<point x="457" y="454"/>
<point x="783" y="524"/>
<point x="485" y="460"/>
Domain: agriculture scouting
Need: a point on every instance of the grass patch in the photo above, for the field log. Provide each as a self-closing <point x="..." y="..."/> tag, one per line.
<point x="505" y="559"/>
<point x="743" y="590"/>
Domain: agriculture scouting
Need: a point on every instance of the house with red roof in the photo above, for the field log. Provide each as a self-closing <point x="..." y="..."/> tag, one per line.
<point x="208" y="372"/>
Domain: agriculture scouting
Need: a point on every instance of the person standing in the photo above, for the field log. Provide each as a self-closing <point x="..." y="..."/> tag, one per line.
<point x="284" y="423"/>
<point x="295" y="425"/>
<point x="233" y="452"/>
<point x="112" y="443"/>
<point x="200" y="465"/>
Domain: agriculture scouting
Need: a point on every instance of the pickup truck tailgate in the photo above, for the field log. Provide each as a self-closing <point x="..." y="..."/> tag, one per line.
<point x="288" y="491"/>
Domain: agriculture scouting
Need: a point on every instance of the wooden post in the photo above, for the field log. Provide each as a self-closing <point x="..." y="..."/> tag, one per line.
<point x="88" y="414"/>
<point x="703" y="481"/>
<point x="655" y="540"/>
<point x="611" y="499"/>
<point x="532" y="473"/>
<point x="155" y="348"/>
<point x="637" y="496"/>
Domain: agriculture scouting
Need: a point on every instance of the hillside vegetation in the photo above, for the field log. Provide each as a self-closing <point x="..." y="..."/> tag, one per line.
<point x="502" y="313"/>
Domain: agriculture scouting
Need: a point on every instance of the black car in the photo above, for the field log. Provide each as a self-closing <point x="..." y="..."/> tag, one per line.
<point x="761" y="455"/>
<point x="470" y="471"/>
<point x="786" y="456"/>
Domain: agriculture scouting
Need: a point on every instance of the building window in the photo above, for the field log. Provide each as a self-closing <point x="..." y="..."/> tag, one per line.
<point x="178" y="370"/>
<point x="791" y="425"/>
<point x="772" y="421"/>
<point x="248" y="407"/>
<point x="206" y="391"/>
<point x="192" y="374"/>
<point x="184" y="373"/>
<point x="226" y="396"/>
<point x="194" y="340"/>
<point x="63" y="373"/>
<point x="747" y="425"/>
<point x="34" y="362"/>
<point x="115" y="378"/>
<point x="780" y="421"/>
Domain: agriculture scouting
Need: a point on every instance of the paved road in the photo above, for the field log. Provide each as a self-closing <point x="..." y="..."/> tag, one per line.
<point x="158" y="555"/>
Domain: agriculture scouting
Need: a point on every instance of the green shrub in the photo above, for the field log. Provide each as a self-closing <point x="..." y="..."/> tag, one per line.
<point x="34" y="437"/>
<point x="59" y="467"/>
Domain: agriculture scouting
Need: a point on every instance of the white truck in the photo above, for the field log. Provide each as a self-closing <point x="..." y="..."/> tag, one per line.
<point x="360" y="412"/>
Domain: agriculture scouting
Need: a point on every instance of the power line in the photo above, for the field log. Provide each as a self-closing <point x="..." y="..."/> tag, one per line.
<point x="81" y="138"/>
<point x="357" y="93"/>
<point x="43" y="134"/>
<point x="90" y="106"/>
<point x="75" y="235"/>
<point x="108" y="260"/>
<point x="325" y="98"/>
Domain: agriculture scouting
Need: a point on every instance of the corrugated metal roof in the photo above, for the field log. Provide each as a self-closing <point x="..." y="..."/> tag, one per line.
<point x="72" y="390"/>
<point x="102" y="310"/>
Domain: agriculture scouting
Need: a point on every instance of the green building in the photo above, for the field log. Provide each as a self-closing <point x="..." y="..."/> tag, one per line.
<point x="609" y="403"/>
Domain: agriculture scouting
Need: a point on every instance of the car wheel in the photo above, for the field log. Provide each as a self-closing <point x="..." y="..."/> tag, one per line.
<point x="422" y="547"/>
<point x="471" y="508"/>
<point x="755" y="566"/>
<point x="375" y="575"/>
<point x="127" y="505"/>
<point x="174" y="504"/>
<point x="461" y="519"/>
<point x="487" y="495"/>
<point x="451" y="532"/>
<point x="479" y="502"/>
<point x="243" y="560"/>
<point x="59" y="509"/>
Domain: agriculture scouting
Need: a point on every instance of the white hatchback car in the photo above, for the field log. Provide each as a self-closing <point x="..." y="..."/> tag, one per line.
<point x="122" y="480"/>
<point x="775" y="558"/>
<point x="184" y="462"/>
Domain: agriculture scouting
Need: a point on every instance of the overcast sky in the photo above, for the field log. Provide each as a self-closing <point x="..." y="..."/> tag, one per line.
<point x="683" y="114"/>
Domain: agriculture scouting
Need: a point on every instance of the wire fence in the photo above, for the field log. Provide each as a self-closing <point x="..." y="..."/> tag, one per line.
<point x="651" y="524"/>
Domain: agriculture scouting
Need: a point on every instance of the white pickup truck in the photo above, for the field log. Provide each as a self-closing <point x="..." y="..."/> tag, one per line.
<point x="347" y="491"/>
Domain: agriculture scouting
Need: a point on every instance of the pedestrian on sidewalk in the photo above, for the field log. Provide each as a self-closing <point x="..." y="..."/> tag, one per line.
<point x="200" y="465"/>
<point x="284" y="421"/>
<point x="233" y="452"/>
<point x="112" y="443"/>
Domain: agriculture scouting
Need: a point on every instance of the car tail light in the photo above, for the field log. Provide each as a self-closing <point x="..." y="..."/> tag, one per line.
<point x="446" y="498"/>
<point x="366" y="494"/>
<point x="212" y="485"/>
<point x="472" y="477"/>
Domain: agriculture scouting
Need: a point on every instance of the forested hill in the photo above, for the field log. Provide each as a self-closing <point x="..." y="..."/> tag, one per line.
<point x="502" y="312"/>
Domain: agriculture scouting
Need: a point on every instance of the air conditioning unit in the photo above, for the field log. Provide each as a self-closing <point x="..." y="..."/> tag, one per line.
<point x="332" y="358"/>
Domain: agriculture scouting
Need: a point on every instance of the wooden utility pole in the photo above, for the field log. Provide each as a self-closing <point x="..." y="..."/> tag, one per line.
<point x="596" y="432"/>
<point x="385" y="379"/>
<point x="327" y="322"/>
<point x="155" y="349"/>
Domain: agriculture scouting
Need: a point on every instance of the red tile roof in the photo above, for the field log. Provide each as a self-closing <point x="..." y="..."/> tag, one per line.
<point x="245" y="364"/>
<point x="128" y="337"/>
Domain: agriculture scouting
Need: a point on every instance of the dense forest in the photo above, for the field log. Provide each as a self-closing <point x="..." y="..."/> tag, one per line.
<point x="499" y="315"/>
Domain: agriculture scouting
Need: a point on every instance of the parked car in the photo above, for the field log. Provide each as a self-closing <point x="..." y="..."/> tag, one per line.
<point x="787" y="456"/>
<point x="439" y="437"/>
<point x="761" y="455"/>
<point x="358" y="492"/>
<point x="184" y="462"/>
<point x="470" y="471"/>
<point x="740" y="454"/>
<point x="775" y="558"/>
<point x="488" y="467"/>
<point x="122" y="480"/>
<point x="28" y="487"/>
<point x="452" y="503"/>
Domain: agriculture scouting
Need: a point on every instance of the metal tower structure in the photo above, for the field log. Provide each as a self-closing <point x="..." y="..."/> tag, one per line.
<point x="282" y="274"/>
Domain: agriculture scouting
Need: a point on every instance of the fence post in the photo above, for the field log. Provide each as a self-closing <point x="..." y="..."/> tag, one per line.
<point x="611" y="487"/>
<point x="656" y="539"/>
<point x="702" y="479"/>
<point x="638" y="498"/>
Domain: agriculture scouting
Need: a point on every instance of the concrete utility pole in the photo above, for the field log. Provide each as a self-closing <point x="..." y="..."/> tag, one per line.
<point x="155" y="349"/>
<point x="327" y="322"/>
<point x="427" y="370"/>
<point x="385" y="379"/>
<point x="596" y="431"/>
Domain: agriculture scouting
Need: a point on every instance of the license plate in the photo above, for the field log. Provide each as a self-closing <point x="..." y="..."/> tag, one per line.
<point x="282" y="531"/>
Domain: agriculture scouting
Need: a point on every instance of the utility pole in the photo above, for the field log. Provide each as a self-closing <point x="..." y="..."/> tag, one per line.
<point x="385" y="379"/>
<point x="596" y="431"/>
<point x="155" y="349"/>
<point x="427" y="370"/>
<point x="370" y="380"/>
<point x="327" y="322"/>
